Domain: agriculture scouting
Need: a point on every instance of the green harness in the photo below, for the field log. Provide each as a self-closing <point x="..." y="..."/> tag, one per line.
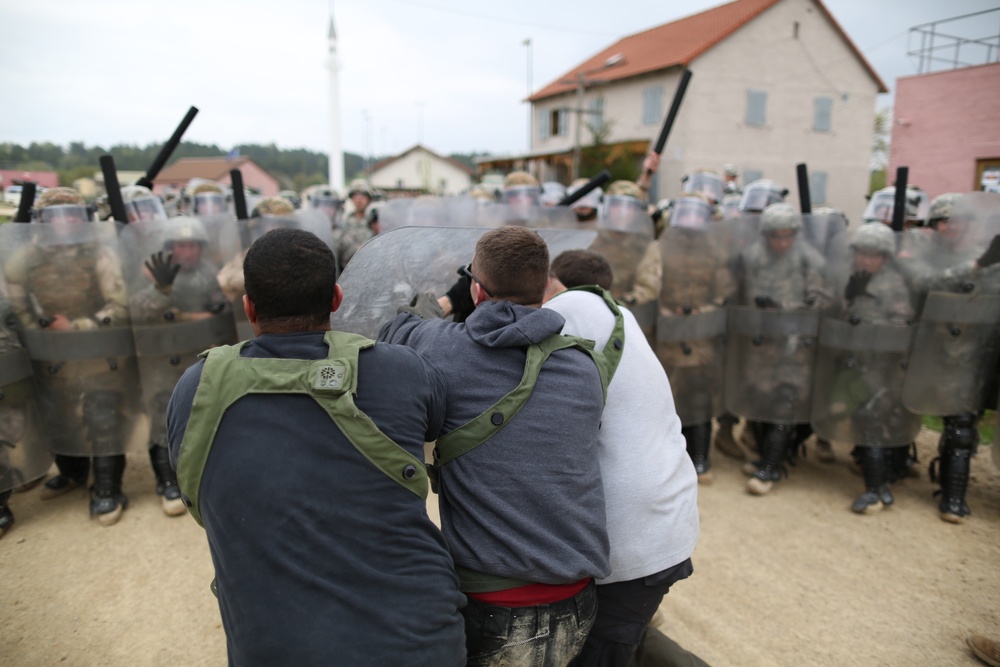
<point x="332" y="382"/>
<point x="475" y="432"/>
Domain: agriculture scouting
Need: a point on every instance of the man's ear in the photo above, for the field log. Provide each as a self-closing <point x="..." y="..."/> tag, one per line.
<point x="338" y="298"/>
<point x="478" y="293"/>
<point x="250" y="308"/>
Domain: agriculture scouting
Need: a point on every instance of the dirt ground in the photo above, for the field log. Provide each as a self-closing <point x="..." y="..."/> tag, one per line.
<point x="792" y="578"/>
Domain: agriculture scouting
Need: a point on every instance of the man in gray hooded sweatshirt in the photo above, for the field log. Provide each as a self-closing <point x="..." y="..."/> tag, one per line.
<point x="521" y="498"/>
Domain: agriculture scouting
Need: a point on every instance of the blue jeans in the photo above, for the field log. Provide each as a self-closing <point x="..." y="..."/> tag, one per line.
<point x="547" y="635"/>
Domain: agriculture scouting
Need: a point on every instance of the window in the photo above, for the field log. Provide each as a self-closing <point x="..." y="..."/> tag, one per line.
<point x="751" y="175"/>
<point x="817" y="187"/>
<point x="652" y="105"/>
<point x="756" y="107"/>
<point x="543" y="124"/>
<point x="822" y="114"/>
<point x="559" y="122"/>
<point x="595" y="117"/>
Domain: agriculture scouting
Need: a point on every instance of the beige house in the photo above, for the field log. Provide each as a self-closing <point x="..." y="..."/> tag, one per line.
<point x="775" y="83"/>
<point x="420" y="170"/>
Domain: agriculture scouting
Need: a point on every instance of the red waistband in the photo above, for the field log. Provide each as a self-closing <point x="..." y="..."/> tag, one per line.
<point x="532" y="594"/>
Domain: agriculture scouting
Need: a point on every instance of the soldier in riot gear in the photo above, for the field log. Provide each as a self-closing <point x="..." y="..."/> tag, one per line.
<point x="587" y="206"/>
<point x="521" y="192"/>
<point x="861" y="366"/>
<point x="706" y="183"/>
<point x="760" y="194"/>
<point x="326" y="199"/>
<point x="731" y="182"/>
<point x="691" y="323"/>
<point x="956" y="275"/>
<point x="67" y="288"/>
<point x="354" y="231"/>
<point x="782" y="285"/>
<point x="266" y="215"/>
<point x="881" y="204"/>
<point x="179" y="313"/>
<point x="207" y="200"/>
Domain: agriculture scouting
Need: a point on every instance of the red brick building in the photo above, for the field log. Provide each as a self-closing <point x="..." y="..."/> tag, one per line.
<point x="946" y="129"/>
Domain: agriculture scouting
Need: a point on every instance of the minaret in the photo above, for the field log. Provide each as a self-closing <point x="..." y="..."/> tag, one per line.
<point x="336" y="150"/>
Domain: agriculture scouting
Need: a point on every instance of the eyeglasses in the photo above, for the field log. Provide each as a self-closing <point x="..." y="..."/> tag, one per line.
<point x="467" y="271"/>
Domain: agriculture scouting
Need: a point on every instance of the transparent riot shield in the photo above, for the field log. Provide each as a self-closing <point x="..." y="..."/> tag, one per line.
<point x="172" y="325"/>
<point x="387" y="272"/>
<point x="434" y="212"/>
<point x="623" y="237"/>
<point x="67" y="288"/>
<point x="696" y="283"/>
<point x="770" y="357"/>
<point x="955" y="353"/>
<point x="24" y="456"/>
<point x="857" y="392"/>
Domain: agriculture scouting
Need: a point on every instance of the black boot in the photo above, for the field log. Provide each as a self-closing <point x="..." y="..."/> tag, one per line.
<point x="166" y="481"/>
<point x="699" y="437"/>
<point x="774" y="451"/>
<point x="957" y="445"/>
<point x="73" y="472"/>
<point x="874" y="471"/>
<point x="6" y="516"/>
<point x="106" y="498"/>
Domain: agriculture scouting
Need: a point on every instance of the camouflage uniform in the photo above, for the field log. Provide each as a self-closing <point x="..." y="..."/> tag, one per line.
<point x="354" y="232"/>
<point x="695" y="285"/>
<point x="88" y="400"/>
<point x="956" y="349"/>
<point x="785" y="285"/>
<point x="191" y="313"/>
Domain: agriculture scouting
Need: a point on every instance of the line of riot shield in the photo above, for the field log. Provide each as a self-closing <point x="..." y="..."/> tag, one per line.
<point x="177" y="308"/>
<point x="394" y="267"/>
<point x="430" y="211"/>
<point x="624" y="234"/>
<point x="696" y="283"/>
<point x="67" y="289"/>
<point x="24" y="456"/>
<point x="858" y="384"/>
<point x="955" y="352"/>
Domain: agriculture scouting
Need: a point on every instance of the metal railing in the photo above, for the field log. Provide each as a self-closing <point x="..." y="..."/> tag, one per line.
<point x="950" y="51"/>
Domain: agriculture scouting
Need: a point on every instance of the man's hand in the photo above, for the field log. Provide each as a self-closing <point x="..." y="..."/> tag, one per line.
<point x="424" y="305"/>
<point x="160" y="265"/>
<point x="992" y="254"/>
<point x="857" y="285"/>
<point x="59" y="323"/>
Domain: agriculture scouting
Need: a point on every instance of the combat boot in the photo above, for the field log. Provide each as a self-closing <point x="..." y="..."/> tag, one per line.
<point x="724" y="440"/>
<point x="954" y="478"/>
<point x="6" y="516"/>
<point x="824" y="451"/>
<point x="874" y="471"/>
<point x="73" y="471"/>
<point x="106" y="498"/>
<point x="166" y="481"/>
<point x="774" y="449"/>
<point x="698" y="437"/>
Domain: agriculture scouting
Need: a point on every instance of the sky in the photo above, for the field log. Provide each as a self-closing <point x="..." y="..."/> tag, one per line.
<point x="449" y="74"/>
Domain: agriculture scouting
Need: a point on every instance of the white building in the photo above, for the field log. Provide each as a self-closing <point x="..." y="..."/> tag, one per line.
<point x="775" y="83"/>
<point x="420" y="169"/>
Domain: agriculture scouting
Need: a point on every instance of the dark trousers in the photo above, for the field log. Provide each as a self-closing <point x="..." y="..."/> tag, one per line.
<point x="546" y="635"/>
<point x="624" y="610"/>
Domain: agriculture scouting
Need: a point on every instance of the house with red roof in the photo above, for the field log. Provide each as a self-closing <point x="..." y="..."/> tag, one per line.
<point x="419" y="170"/>
<point x="177" y="175"/>
<point x="774" y="83"/>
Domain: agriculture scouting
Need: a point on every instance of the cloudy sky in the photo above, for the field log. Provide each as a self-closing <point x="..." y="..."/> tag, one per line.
<point x="447" y="72"/>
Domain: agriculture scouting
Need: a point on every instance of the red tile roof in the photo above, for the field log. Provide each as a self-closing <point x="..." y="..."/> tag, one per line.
<point x="677" y="44"/>
<point x="212" y="168"/>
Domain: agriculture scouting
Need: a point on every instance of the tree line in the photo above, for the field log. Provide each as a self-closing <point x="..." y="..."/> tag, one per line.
<point x="295" y="168"/>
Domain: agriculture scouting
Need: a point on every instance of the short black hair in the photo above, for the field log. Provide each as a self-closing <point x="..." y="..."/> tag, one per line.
<point x="582" y="267"/>
<point x="290" y="275"/>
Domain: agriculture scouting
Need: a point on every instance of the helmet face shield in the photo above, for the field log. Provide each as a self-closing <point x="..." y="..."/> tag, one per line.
<point x="880" y="208"/>
<point x="65" y="214"/>
<point x="757" y="198"/>
<point x="619" y="212"/>
<point x="209" y="203"/>
<point x="145" y="209"/>
<point x="706" y="184"/>
<point x="522" y="195"/>
<point x="690" y="213"/>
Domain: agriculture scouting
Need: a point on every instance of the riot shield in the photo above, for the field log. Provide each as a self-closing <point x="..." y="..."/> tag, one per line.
<point x="434" y="212"/>
<point x="770" y="356"/>
<point x="387" y="272"/>
<point x="857" y="392"/>
<point x="68" y="291"/>
<point x="23" y="454"/>
<point x="954" y="355"/>
<point x="172" y="326"/>
<point x="691" y="324"/>
<point x="623" y="237"/>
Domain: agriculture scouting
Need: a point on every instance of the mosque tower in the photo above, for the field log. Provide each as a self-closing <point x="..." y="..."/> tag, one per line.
<point x="336" y="157"/>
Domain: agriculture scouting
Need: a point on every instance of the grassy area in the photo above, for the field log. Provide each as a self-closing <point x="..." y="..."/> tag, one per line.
<point x="987" y="425"/>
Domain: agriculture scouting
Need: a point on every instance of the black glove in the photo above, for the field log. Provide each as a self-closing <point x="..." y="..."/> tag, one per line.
<point x="163" y="270"/>
<point x="424" y="305"/>
<point x="992" y="254"/>
<point x="857" y="285"/>
<point x="461" y="298"/>
<point x="765" y="302"/>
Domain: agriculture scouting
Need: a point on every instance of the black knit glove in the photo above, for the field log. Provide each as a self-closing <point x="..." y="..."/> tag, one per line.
<point x="992" y="254"/>
<point x="163" y="270"/>
<point x="857" y="285"/>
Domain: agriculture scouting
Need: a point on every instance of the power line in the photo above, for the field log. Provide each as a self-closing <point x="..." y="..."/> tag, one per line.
<point x="503" y="19"/>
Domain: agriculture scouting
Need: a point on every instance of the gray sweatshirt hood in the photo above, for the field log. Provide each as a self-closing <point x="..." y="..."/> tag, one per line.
<point x="504" y="324"/>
